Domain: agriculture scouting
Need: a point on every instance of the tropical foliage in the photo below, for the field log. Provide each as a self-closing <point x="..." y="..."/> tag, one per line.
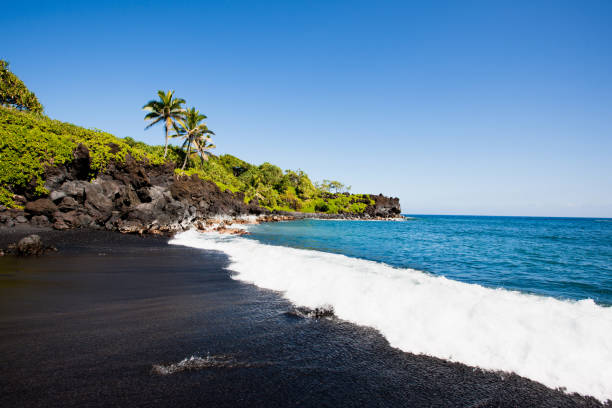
<point x="192" y="128"/>
<point x="31" y="141"/>
<point x="14" y="93"/>
<point x="332" y="186"/>
<point x="165" y="110"/>
<point x="271" y="187"/>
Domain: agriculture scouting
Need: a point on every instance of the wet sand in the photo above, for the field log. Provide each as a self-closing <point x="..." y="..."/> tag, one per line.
<point x="86" y="325"/>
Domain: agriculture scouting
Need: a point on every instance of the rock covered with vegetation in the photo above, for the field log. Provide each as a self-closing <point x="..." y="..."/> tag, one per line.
<point x="270" y="187"/>
<point x="265" y="185"/>
<point x="31" y="143"/>
<point x="58" y="174"/>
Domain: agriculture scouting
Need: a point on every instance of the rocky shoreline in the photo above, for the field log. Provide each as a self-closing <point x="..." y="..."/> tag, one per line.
<point x="135" y="197"/>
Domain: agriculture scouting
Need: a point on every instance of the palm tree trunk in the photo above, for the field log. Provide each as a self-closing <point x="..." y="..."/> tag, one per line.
<point x="187" y="155"/>
<point x="166" y="146"/>
<point x="199" y="150"/>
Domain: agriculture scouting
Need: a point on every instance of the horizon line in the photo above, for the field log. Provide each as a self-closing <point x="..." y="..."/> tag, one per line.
<point x="497" y="215"/>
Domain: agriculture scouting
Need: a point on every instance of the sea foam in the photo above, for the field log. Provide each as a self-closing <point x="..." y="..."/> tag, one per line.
<point x="562" y="344"/>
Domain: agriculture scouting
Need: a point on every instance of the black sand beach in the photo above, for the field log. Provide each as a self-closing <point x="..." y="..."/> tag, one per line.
<point x="85" y="326"/>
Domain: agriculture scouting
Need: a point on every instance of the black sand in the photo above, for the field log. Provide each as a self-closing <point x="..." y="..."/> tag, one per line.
<point x="85" y="326"/>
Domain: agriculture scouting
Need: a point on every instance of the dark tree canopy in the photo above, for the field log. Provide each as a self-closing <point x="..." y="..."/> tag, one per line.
<point x="13" y="91"/>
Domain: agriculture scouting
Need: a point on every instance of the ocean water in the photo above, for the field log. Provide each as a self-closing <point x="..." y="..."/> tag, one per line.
<point x="567" y="258"/>
<point x="524" y="295"/>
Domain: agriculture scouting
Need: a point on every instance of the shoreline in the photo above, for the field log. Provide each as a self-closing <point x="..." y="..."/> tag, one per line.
<point x="89" y="323"/>
<point x="221" y="223"/>
<point x="418" y="312"/>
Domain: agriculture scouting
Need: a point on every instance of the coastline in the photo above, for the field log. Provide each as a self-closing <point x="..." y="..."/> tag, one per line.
<point x="152" y="254"/>
<point x="87" y="325"/>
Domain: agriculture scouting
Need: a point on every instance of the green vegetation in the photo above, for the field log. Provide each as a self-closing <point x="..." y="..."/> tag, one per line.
<point x="30" y="141"/>
<point x="14" y="93"/>
<point x="167" y="109"/>
<point x="332" y="186"/>
<point x="195" y="132"/>
<point x="187" y="123"/>
<point x="267" y="185"/>
<point x="274" y="189"/>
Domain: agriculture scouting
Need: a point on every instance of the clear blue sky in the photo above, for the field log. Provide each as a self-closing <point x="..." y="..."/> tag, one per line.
<point x="459" y="107"/>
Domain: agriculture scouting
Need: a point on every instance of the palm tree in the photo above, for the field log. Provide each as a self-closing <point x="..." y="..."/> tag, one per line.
<point x="194" y="131"/>
<point x="166" y="109"/>
<point x="203" y="145"/>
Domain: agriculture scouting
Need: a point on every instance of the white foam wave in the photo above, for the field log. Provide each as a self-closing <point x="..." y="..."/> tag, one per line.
<point x="562" y="344"/>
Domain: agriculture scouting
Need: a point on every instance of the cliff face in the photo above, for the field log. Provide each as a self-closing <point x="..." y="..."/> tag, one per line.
<point x="136" y="197"/>
<point x="384" y="207"/>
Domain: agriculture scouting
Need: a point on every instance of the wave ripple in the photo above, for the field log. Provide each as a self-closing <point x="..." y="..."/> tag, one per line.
<point x="195" y="363"/>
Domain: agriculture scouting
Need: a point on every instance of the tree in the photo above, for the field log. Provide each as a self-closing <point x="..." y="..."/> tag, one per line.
<point x="234" y="164"/>
<point x="300" y="182"/>
<point x="271" y="174"/>
<point x="14" y="93"/>
<point x="167" y="109"/>
<point x="203" y="144"/>
<point x="332" y="186"/>
<point x="192" y="128"/>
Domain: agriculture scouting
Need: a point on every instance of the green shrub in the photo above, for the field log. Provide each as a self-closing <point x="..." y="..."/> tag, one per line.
<point x="234" y="164"/>
<point x="13" y="91"/>
<point x="321" y="206"/>
<point x="29" y="142"/>
<point x="271" y="175"/>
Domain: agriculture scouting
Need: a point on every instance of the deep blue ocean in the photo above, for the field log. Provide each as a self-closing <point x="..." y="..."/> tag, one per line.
<point x="567" y="258"/>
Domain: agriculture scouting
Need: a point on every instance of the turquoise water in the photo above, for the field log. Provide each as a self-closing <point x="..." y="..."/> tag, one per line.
<point x="567" y="258"/>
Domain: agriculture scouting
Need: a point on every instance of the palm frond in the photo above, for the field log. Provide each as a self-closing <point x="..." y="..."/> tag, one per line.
<point x="151" y="105"/>
<point x="151" y="116"/>
<point x="154" y="122"/>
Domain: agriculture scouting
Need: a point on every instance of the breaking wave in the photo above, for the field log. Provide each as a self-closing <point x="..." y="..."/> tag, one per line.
<point x="560" y="343"/>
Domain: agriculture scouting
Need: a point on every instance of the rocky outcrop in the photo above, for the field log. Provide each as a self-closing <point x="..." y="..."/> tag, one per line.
<point x="135" y="197"/>
<point x="127" y="197"/>
<point x="379" y="207"/>
<point x="28" y="246"/>
<point x="383" y="207"/>
<point x="42" y="206"/>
